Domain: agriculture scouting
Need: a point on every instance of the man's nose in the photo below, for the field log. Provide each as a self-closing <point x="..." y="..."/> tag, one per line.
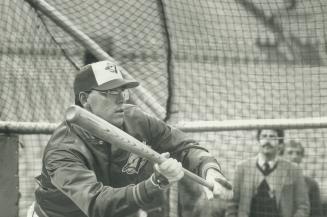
<point x="120" y="98"/>
<point x="293" y="156"/>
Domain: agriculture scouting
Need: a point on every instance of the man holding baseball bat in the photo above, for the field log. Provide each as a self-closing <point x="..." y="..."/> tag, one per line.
<point x="84" y="175"/>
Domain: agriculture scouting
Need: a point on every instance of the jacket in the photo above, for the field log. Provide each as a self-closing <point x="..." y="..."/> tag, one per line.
<point x="286" y="182"/>
<point x="314" y="197"/>
<point x="85" y="176"/>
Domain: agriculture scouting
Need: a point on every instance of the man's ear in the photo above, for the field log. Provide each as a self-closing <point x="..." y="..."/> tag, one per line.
<point x="83" y="99"/>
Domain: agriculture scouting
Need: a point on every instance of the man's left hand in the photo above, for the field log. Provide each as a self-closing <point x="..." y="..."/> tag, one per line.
<point x="219" y="190"/>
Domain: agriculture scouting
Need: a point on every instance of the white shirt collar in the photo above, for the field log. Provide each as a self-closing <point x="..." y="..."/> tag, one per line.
<point x="262" y="160"/>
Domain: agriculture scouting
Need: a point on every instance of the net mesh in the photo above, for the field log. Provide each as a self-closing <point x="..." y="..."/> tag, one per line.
<point x="201" y="60"/>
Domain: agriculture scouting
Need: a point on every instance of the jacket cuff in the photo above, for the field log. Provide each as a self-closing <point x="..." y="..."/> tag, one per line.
<point x="209" y="163"/>
<point x="142" y="193"/>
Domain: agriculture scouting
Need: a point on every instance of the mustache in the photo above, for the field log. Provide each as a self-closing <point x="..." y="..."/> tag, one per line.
<point x="268" y="144"/>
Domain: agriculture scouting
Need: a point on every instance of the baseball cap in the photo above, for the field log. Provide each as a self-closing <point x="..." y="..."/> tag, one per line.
<point x="103" y="75"/>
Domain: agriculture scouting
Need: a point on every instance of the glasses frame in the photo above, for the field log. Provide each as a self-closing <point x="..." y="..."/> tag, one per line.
<point x="109" y="93"/>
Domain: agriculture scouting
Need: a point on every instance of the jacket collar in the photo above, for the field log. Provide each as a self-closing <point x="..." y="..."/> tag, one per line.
<point x="261" y="160"/>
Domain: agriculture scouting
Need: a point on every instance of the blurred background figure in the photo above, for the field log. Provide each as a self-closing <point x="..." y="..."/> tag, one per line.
<point x="267" y="185"/>
<point x="294" y="151"/>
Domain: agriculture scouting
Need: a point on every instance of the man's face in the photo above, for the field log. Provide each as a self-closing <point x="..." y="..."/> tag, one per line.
<point x="293" y="154"/>
<point x="268" y="140"/>
<point x="108" y="105"/>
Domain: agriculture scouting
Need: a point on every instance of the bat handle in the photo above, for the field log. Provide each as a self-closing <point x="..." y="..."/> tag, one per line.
<point x="159" y="159"/>
<point x="204" y="182"/>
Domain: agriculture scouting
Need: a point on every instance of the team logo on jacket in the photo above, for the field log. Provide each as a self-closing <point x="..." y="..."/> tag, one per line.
<point x="134" y="163"/>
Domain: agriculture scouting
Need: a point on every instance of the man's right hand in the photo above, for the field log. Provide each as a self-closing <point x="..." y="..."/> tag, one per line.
<point x="224" y="191"/>
<point x="168" y="172"/>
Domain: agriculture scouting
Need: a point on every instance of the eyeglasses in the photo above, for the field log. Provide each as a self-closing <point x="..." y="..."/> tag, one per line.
<point x="118" y="92"/>
<point x="270" y="137"/>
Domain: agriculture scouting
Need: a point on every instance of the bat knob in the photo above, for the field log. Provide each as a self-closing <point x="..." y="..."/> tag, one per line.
<point x="226" y="184"/>
<point x="72" y="112"/>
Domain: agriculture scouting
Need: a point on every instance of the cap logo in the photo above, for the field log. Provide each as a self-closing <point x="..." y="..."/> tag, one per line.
<point x="111" y="68"/>
<point x="105" y="71"/>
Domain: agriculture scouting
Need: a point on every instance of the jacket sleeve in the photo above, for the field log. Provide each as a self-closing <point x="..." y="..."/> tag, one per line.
<point x="193" y="156"/>
<point x="301" y="196"/>
<point x="71" y="176"/>
<point x="314" y="197"/>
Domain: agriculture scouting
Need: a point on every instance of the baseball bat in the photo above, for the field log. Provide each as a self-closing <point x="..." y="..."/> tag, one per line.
<point x="109" y="133"/>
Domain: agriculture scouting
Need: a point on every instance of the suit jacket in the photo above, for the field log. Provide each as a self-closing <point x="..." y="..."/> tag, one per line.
<point x="286" y="183"/>
<point x="314" y="197"/>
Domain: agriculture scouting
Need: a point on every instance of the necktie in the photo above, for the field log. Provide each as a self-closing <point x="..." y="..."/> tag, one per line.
<point x="266" y="168"/>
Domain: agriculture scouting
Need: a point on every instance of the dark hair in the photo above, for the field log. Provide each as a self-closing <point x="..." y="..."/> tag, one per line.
<point x="77" y="102"/>
<point x="280" y="134"/>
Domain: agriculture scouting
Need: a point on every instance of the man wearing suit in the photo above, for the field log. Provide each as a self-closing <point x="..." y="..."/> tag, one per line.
<point x="268" y="186"/>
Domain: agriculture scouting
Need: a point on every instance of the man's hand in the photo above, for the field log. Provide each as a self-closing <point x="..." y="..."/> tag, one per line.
<point x="168" y="172"/>
<point x="218" y="189"/>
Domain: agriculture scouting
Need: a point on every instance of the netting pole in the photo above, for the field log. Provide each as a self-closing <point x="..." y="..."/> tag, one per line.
<point x="142" y="97"/>
<point x="161" y="7"/>
<point x="191" y="126"/>
<point x="27" y="127"/>
<point x="170" y="209"/>
<point x="253" y="124"/>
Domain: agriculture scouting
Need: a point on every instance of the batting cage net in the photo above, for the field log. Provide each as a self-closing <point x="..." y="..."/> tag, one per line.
<point x="196" y="60"/>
